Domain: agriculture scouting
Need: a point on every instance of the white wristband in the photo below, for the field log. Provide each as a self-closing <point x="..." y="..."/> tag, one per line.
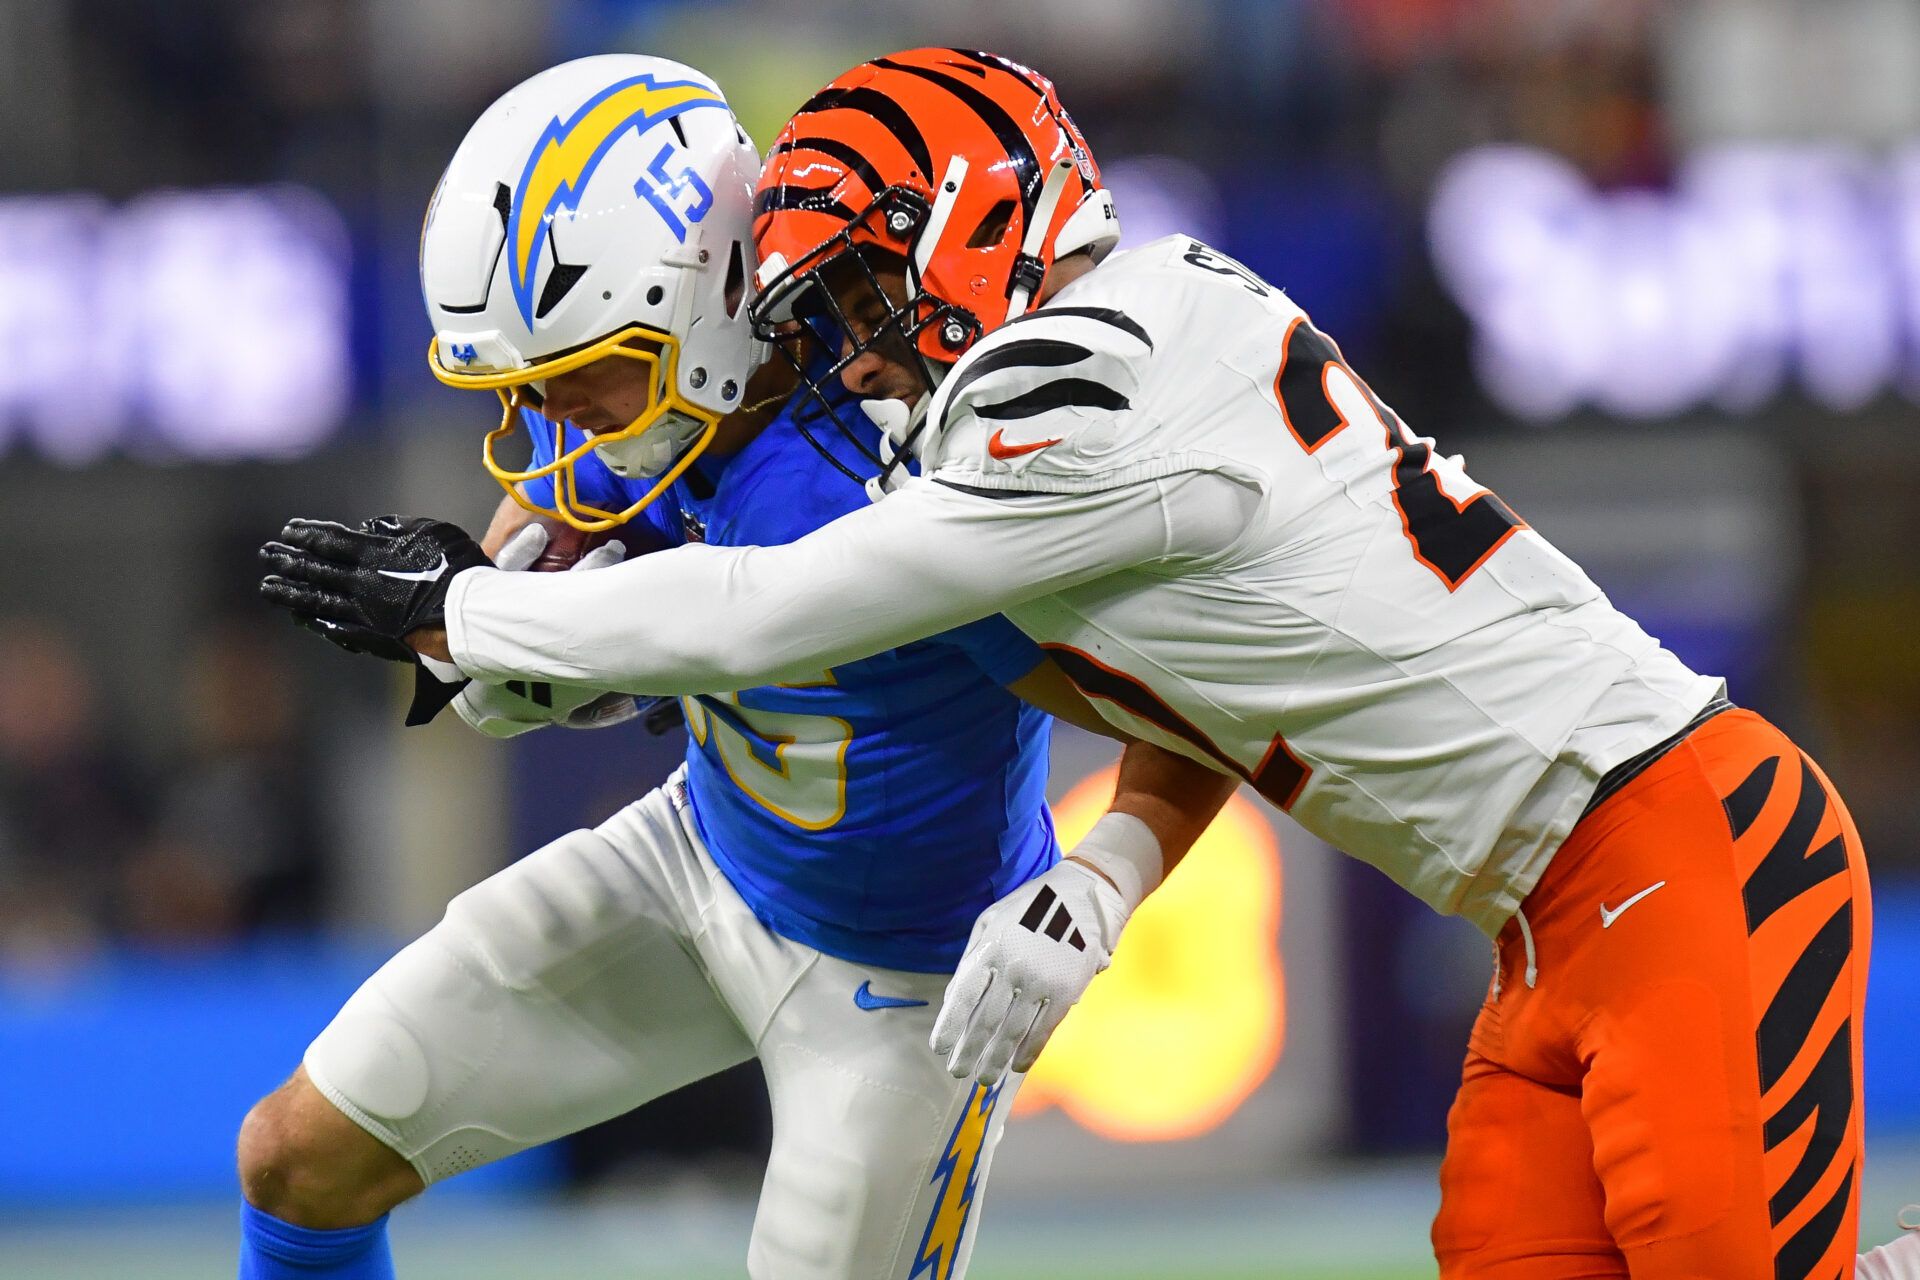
<point x="1125" y="850"/>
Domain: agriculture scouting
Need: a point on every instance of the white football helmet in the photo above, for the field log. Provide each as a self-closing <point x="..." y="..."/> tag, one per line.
<point x="602" y="208"/>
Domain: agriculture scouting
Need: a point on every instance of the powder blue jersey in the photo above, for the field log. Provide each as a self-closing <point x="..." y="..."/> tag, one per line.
<point x="874" y="811"/>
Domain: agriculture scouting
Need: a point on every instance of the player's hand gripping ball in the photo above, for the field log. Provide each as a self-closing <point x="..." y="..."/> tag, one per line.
<point x="366" y="587"/>
<point x="506" y="710"/>
<point x="547" y="546"/>
<point x="543" y="547"/>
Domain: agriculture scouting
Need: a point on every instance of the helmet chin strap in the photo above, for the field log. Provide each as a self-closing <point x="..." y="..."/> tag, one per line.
<point x="654" y="450"/>
<point x="1036" y="237"/>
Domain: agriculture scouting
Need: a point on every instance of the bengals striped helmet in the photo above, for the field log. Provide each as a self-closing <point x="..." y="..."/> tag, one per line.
<point x="959" y="169"/>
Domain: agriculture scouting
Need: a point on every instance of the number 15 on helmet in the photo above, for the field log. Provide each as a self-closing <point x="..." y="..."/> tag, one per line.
<point x="601" y="208"/>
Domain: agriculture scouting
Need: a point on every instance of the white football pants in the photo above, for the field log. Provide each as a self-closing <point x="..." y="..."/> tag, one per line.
<point x="614" y="966"/>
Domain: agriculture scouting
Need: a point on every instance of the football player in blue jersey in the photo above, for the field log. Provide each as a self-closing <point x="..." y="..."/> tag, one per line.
<point x="803" y="887"/>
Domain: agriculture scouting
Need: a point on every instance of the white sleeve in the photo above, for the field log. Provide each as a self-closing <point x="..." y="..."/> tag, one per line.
<point x="702" y="619"/>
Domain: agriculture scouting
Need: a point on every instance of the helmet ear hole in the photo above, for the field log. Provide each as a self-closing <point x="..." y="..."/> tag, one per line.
<point x="992" y="227"/>
<point x="736" y="287"/>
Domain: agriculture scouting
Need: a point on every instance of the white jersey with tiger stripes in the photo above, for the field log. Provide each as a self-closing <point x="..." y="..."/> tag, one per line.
<point x="1387" y="650"/>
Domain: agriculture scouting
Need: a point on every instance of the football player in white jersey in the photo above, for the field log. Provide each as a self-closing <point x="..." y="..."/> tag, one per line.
<point x="1154" y="464"/>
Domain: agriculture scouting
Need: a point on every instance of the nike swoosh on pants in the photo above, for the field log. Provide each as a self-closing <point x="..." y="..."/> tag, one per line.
<point x="865" y="998"/>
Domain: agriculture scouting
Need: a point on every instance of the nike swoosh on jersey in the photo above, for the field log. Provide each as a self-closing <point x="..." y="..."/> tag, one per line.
<point x="999" y="448"/>
<point x="865" y="998"/>
<point x="1608" y="917"/>
<point x="425" y="575"/>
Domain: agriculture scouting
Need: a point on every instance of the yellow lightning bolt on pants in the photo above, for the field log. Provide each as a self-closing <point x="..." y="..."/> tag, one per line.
<point x="960" y="1167"/>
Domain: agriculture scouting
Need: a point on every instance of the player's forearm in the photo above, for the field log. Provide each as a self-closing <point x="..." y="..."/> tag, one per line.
<point x="1175" y="797"/>
<point x="508" y="519"/>
<point x="699" y="619"/>
<point x="652" y="625"/>
<point x="1161" y="805"/>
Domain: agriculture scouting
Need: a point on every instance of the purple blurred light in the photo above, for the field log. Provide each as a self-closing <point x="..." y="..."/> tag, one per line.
<point x="1162" y="195"/>
<point x="1763" y="261"/>
<point x="197" y="325"/>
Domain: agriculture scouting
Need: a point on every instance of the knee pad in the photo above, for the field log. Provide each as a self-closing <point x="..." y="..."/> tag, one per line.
<point x="409" y="1042"/>
<point x="374" y="1061"/>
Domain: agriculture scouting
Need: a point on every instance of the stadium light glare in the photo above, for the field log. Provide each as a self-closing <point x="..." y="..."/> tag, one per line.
<point x="1191" y="1017"/>
<point x="196" y="325"/>
<point x="1763" y="263"/>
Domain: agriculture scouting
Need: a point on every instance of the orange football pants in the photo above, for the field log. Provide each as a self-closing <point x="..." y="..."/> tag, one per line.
<point x="1677" y="1093"/>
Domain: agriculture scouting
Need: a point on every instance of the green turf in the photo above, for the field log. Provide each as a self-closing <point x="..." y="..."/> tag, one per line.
<point x="200" y="1244"/>
<point x="1267" y="1273"/>
<point x="1367" y="1223"/>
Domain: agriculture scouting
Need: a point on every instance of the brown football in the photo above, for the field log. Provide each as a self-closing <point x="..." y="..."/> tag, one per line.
<point x="565" y="545"/>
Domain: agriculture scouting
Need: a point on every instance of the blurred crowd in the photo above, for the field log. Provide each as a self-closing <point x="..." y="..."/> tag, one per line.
<point x="218" y="837"/>
<point x="332" y="92"/>
<point x="1322" y="124"/>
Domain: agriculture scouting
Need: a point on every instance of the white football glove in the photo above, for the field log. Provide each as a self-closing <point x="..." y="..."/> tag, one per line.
<point x="507" y="710"/>
<point x="1032" y="954"/>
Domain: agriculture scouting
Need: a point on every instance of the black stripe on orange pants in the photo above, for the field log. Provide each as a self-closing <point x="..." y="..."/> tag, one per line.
<point x="1678" y="1094"/>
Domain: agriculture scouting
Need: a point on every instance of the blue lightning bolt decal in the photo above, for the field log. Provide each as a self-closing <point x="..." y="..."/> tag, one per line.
<point x="958" y="1175"/>
<point x="566" y="154"/>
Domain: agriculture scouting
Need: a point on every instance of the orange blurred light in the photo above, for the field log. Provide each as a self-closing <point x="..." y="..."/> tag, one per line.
<point x="1191" y="1016"/>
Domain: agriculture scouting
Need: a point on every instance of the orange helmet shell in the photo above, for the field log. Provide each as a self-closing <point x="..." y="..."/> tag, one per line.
<point x="894" y="125"/>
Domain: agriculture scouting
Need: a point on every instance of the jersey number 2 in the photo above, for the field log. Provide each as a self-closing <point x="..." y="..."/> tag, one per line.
<point x="1450" y="538"/>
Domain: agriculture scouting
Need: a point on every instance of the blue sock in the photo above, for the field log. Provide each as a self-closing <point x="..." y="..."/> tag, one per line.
<point x="274" y="1250"/>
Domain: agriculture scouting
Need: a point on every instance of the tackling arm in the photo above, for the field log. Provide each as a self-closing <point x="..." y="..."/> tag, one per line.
<point x="704" y="619"/>
<point x="1173" y="797"/>
<point x="1169" y="795"/>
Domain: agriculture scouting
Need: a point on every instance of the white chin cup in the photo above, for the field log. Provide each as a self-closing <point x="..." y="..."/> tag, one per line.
<point x="893" y="417"/>
<point x="897" y="423"/>
<point x="651" y="452"/>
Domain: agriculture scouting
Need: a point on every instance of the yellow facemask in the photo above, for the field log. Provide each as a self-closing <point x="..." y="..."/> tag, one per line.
<point x="661" y="355"/>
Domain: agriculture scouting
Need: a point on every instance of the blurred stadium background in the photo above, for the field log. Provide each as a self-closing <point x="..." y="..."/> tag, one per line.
<point x="1655" y="268"/>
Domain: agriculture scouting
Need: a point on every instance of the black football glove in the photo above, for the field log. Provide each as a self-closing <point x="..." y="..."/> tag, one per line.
<point x="366" y="588"/>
